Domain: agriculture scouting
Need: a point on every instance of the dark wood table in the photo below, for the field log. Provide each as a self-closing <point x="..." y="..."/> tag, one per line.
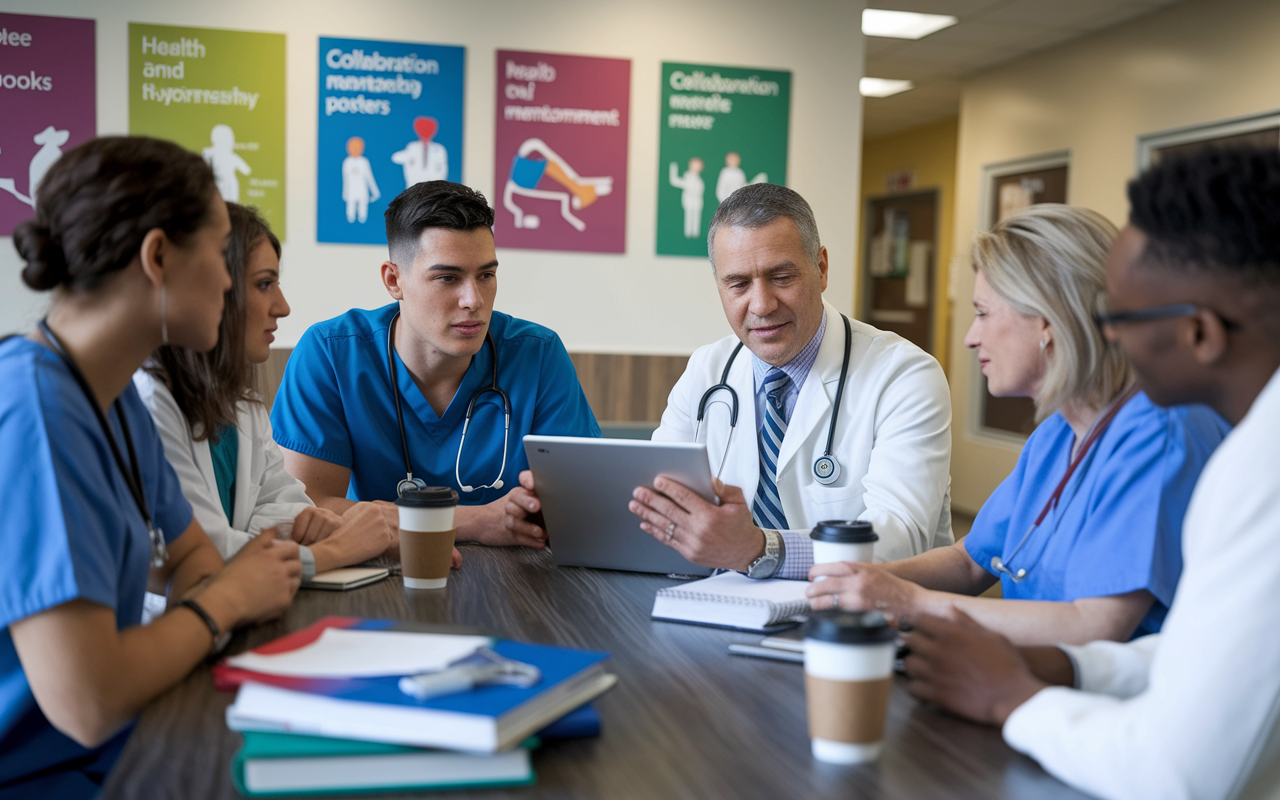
<point x="685" y="720"/>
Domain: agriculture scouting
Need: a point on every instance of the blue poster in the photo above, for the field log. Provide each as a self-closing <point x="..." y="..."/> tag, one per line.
<point x="390" y="117"/>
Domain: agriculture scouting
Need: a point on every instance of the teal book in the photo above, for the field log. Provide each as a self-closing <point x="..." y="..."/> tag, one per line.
<point x="288" y="765"/>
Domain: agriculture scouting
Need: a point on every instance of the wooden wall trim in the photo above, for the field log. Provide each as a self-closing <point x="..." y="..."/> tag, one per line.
<point x="620" y="388"/>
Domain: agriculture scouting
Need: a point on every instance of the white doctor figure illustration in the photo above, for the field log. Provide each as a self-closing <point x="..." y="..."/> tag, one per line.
<point x="732" y="178"/>
<point x="221" y="156"/>
<point x="51" y="141"/>
<point x="423" y="159"/>
<point x="691" y="197"/>
<point x="358" y="186"/>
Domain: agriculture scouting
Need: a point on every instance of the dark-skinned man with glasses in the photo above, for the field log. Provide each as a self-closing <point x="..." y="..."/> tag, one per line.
<point x="1193" y="296"/>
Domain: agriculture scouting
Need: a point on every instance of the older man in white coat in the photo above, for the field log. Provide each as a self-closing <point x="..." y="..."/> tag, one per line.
<point x="891" y="444"/>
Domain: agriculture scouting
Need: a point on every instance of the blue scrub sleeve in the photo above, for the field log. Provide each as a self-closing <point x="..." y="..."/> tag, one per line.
<point x="562" y="407"/>
<point x="307" y="415"/>
<point x="990" y="527"/>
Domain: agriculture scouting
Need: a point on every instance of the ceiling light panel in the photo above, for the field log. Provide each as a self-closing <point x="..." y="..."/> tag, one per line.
<point x="882" y="87"/>
<point x="903" y="24"/>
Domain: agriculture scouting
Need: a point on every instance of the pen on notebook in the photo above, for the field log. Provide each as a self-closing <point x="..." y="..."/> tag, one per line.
<point x="765" y="652"/>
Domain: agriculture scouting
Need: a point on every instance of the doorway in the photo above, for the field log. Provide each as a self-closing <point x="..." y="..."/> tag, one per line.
<point x="898" y="272"/>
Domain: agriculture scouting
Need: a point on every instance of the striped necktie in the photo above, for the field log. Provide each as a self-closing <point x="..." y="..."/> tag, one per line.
<point x="767" y="508"/>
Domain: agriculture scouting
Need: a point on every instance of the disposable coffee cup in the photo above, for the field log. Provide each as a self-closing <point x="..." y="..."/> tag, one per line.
<point x="848" y="674"/>
<point x="842" y="540"/>
<point x="426" y="536"/>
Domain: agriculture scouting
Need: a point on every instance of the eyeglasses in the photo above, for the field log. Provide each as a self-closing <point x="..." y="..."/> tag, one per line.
<point x="1104" y="318"/>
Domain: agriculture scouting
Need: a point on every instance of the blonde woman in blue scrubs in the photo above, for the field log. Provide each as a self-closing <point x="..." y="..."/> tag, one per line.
<point x="1085" y="534"/>
<point x="130" y="232"/>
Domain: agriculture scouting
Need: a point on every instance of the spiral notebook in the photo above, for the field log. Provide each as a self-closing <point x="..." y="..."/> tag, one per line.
<point x="732" y="600"/>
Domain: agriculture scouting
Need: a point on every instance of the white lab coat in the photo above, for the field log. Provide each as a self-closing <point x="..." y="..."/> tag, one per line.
<point x="893" y="438"/>
<point x="265" y="494"/>
<point x="1192" y="711"/>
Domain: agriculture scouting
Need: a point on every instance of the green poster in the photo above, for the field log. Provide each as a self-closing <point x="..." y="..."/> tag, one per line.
<point x="218" y="93"/>
<point x="721" y="128"/>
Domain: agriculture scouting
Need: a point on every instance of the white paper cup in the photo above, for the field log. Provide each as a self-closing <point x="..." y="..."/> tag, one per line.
<point x="848" y="666"/>
<point x="842" y="540"/>
<point x="426" y="536"/>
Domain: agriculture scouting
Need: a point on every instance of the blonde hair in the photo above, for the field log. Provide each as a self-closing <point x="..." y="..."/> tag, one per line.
<point x="1049" y="261"/>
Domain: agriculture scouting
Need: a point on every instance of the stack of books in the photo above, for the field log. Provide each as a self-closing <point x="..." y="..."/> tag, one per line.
<point x="321" y="711"/>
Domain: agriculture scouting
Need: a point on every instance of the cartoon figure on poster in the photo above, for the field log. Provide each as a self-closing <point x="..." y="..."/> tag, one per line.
<point x="693" y="188"/>
<point x="222" y="158"/>
<point x="51" y="142"/>
<point x="526" y="174"/>
<point x="358" y="186"/>
<point x="423" y="159"/>
<point x="732" y="178"/>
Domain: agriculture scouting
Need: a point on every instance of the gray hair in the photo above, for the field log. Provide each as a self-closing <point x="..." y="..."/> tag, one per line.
<point x="1049" y="261"/>
<point x="758" y="204"/>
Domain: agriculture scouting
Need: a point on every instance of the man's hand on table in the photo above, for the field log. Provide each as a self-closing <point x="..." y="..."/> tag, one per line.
<point x="966" y="669"/>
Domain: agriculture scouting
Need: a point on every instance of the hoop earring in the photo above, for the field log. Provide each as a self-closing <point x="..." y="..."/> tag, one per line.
<point x="164" y="319"/>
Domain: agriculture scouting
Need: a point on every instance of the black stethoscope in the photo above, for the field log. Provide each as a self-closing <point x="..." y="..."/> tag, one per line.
<point x="411" y="482"/>
<point x="133" y="475"/>
<point x="1086" y="448"/>
<point x="826" y="469"/>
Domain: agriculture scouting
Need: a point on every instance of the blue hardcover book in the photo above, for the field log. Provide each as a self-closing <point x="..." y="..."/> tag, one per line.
<point x="484" y="720"/>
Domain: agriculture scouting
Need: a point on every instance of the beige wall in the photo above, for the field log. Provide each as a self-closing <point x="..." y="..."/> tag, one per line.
<point x="1197" y="62"/>
<point x="929" y="151"/>
<point x="630" y="303"/>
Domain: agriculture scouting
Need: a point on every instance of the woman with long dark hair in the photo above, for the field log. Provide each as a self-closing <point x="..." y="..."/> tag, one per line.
<point x="217" y="434"/>
<point x="130" y="233"/>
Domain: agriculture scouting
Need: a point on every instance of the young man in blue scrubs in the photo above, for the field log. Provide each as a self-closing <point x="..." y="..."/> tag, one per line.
<point x="336" y="412"/>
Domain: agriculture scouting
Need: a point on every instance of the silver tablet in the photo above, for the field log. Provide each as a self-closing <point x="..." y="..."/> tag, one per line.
<point x="585" y="484"/>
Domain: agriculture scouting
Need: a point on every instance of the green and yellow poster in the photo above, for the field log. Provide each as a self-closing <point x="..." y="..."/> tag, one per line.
<point x="721" y="128"/>
<point x="218" y="93"/>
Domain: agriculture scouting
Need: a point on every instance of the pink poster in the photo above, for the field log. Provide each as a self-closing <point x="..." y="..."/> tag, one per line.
<point x="47" y="106"/>
<point x="560" y="168"/>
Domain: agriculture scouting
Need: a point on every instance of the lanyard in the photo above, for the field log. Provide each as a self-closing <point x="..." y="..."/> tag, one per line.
<point x="133" y="475"/>
<point x="1095" y="432"/>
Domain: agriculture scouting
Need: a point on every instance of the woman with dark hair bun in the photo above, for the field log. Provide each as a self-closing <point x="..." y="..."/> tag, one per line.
<point x="216" y="432"/>
<point x="131" y="234"/>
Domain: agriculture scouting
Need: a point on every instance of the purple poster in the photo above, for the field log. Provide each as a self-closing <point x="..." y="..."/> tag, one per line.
<point x="560" y="169"/>
<point x="47" y="90"/>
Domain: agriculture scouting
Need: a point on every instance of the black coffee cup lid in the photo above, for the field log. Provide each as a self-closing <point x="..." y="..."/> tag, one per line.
<point x="848" y="627"/>
<point x="844" y="531"/>
<point x="428" y="497"/>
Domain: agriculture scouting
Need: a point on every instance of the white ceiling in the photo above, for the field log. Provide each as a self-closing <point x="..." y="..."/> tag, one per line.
<point x="989" y="32"/>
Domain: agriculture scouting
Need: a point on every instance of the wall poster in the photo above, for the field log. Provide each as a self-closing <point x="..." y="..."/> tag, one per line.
<point x="560" y="152"/>
<point x="390" y="117"/>
<point x="219" y="93"/>
<point x="721" y="128"/>
<point x="47" y="103"/>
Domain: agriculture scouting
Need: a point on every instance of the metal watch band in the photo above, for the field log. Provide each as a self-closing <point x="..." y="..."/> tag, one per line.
<point x="219" y="639"/>
<point x="773" y="551"/>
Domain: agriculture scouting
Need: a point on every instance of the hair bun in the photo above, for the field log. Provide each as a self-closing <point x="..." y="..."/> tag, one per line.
<point x="46" y="262"/>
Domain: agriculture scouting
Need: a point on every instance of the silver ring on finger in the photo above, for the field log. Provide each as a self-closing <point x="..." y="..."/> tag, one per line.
<point x="671" y="531"/>
<point x="835" y="601"/>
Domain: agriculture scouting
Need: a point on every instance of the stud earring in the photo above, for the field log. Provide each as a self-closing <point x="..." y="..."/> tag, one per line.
<point x="1043" y="344"/>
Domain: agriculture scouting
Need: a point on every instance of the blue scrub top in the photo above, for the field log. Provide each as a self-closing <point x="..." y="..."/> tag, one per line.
<point x="70" y="530"/>
<point x="335" y="404"/>
<point x="1118" y="525"/>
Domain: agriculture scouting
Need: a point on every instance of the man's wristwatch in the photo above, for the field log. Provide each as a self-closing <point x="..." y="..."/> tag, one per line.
<point x="769" y="562"/>
<point x="220" y="639"/>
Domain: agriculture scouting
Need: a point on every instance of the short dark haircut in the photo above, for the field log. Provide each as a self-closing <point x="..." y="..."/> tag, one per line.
<point x="97" y="203"/>
<point x="208" y="386"/>
<point x="432" y="204"/>
<point x="1214" y="210"/>
<point x="758" y="204"/>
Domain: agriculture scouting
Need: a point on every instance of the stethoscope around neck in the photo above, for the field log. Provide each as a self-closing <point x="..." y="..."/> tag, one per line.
<point x="1083" y="457"/>
<point x="411" y="482"/>
<point x="826" y="469"/>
